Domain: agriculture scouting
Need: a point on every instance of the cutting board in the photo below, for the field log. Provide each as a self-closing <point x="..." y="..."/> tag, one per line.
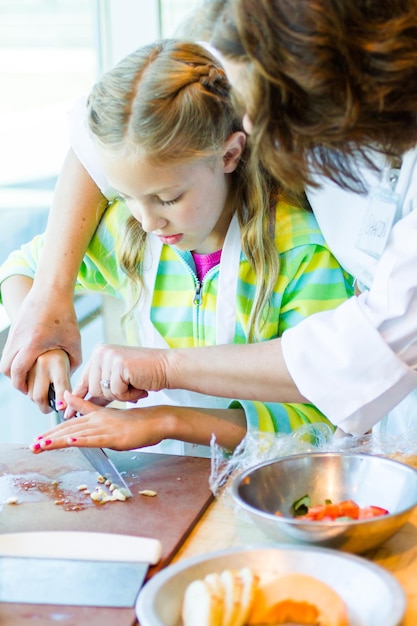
<point x="39" y="481"/>
<point x="46" y="488"/>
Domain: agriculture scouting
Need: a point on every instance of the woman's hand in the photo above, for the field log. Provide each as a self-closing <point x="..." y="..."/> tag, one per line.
<point x="122" y="373"/>
<point x="40" y="326"/>
<point x="118" y="429"/>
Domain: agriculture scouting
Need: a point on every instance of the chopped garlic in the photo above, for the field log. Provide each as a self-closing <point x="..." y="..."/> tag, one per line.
<point x="148" y="492"/>
<point x="118" y="495"/>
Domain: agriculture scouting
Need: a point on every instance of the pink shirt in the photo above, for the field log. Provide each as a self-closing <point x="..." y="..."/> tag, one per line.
<point x="204" y="262"/>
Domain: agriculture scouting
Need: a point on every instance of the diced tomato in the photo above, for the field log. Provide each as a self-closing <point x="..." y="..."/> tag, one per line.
<point x="326" y="512"/>
<point x="372" y="511"/>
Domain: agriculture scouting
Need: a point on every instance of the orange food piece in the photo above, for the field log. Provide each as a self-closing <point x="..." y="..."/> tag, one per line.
<point x="298" y="598"/>
<point x="290" y="611"/>
<point x="346" y="508"/>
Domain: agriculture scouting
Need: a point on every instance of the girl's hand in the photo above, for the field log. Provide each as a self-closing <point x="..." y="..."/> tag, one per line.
<point x="118" y="429"/>
<point x="122" y="373"/>
<point x="51" y="367"/>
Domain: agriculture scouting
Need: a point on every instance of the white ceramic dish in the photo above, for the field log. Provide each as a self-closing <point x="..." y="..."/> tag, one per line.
<point x="372" y="595"/>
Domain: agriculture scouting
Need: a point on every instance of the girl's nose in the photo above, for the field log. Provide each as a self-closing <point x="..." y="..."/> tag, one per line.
<point x="151" y="221"/>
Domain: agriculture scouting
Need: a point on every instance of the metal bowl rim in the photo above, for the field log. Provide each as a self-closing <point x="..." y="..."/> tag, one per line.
<point x="293" y="521"/>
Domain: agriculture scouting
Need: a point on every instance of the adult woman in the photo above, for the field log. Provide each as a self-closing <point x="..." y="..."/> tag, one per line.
<point x="331" y="92"/>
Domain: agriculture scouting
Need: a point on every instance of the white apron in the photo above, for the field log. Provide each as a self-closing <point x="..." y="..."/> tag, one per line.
<point x="149" y="336"/>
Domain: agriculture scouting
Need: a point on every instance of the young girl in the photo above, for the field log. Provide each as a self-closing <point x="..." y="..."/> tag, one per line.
<point x="198" y="245"/>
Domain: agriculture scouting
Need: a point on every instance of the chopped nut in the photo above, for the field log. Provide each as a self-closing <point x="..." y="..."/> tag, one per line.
<point x="82" y="487"/>
<point x="12" y="500"/>
<point x="101" y="479"/>
<point x="108" y="482"/>
<point x="109" y="499"/>
<point x="113" y="486"/>
<point x="58" y="502"/>
<point x="118" y="495"/>
<point x="96" y="496"/>
<point x="148" y="492"/>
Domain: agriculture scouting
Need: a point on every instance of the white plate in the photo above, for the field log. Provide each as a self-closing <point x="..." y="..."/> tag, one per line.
<point x="372" y="595"/>
<point x="80" y="546"/>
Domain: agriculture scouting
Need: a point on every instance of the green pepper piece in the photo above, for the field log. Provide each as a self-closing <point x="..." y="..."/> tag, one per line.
<point x="300" y="506"/>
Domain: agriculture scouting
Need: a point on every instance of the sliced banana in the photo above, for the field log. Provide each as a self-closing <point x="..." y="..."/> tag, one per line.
<point x="201" y="607"/>
<point x="221" y="599"/>
<point x="236" y="598"/>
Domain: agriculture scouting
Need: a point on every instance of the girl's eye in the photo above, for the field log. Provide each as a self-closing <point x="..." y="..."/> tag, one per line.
<point x="169" y="202"/>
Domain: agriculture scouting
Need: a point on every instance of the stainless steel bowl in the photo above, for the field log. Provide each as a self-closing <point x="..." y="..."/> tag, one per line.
<point x="366" y="479"/>
<point x="371" y="594"/>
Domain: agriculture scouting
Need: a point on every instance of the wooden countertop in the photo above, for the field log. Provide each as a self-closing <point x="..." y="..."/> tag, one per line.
<point x="221" y="527"/>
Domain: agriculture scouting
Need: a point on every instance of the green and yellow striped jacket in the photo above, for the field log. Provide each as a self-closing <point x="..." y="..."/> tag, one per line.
<point x="310" y="280"/>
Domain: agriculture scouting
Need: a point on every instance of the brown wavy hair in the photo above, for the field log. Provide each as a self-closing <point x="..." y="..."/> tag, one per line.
<point x="172" y="100"/>
<point x="329" y="80"/>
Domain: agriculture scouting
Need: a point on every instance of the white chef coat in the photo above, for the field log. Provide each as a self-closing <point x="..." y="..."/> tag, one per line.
<point x="361" y="358"/>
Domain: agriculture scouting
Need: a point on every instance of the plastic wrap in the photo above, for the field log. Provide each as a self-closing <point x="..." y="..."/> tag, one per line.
<point x="260" y="447"/>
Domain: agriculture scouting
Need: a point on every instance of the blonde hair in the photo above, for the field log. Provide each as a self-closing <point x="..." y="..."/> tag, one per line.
<point x="171" y="100"/>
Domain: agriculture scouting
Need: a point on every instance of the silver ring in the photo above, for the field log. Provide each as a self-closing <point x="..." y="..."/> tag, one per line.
<point x="105" y="384"/>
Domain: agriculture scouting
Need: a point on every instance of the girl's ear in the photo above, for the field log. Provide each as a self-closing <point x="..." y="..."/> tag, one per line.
<point x="233" y="149"/>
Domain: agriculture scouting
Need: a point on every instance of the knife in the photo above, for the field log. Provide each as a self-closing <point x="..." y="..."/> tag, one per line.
<point x="96" y="456"/>
<point x="101" y="569"/>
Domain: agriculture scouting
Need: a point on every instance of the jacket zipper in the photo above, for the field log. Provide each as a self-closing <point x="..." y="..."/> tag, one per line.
<point x="197" y="293"/>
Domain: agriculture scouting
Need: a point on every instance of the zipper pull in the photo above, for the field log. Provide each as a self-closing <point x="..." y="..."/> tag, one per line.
<point x="197" y="294"/>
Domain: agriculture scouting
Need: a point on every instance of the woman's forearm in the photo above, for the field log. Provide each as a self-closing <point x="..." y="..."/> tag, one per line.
<point x="47" y="318"/>
<point x="248" y="371"/>
<point x="76" y="208"/>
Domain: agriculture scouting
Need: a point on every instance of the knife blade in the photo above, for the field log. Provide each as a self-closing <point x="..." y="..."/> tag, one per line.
<point x="96" y="456"/>
<point x="101" y="569"/>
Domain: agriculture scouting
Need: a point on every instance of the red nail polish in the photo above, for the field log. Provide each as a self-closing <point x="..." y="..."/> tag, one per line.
<point x="36" y="446"/>
<point x="60" y="405"/>
<point x="47" y="442"/>
<point x="72" y="439"/>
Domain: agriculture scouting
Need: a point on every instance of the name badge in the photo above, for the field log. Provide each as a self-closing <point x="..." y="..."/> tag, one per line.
<point x="377" y="223"/>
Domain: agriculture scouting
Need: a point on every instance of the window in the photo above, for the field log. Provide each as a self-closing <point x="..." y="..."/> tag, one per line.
<point x="47" y="58"/>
